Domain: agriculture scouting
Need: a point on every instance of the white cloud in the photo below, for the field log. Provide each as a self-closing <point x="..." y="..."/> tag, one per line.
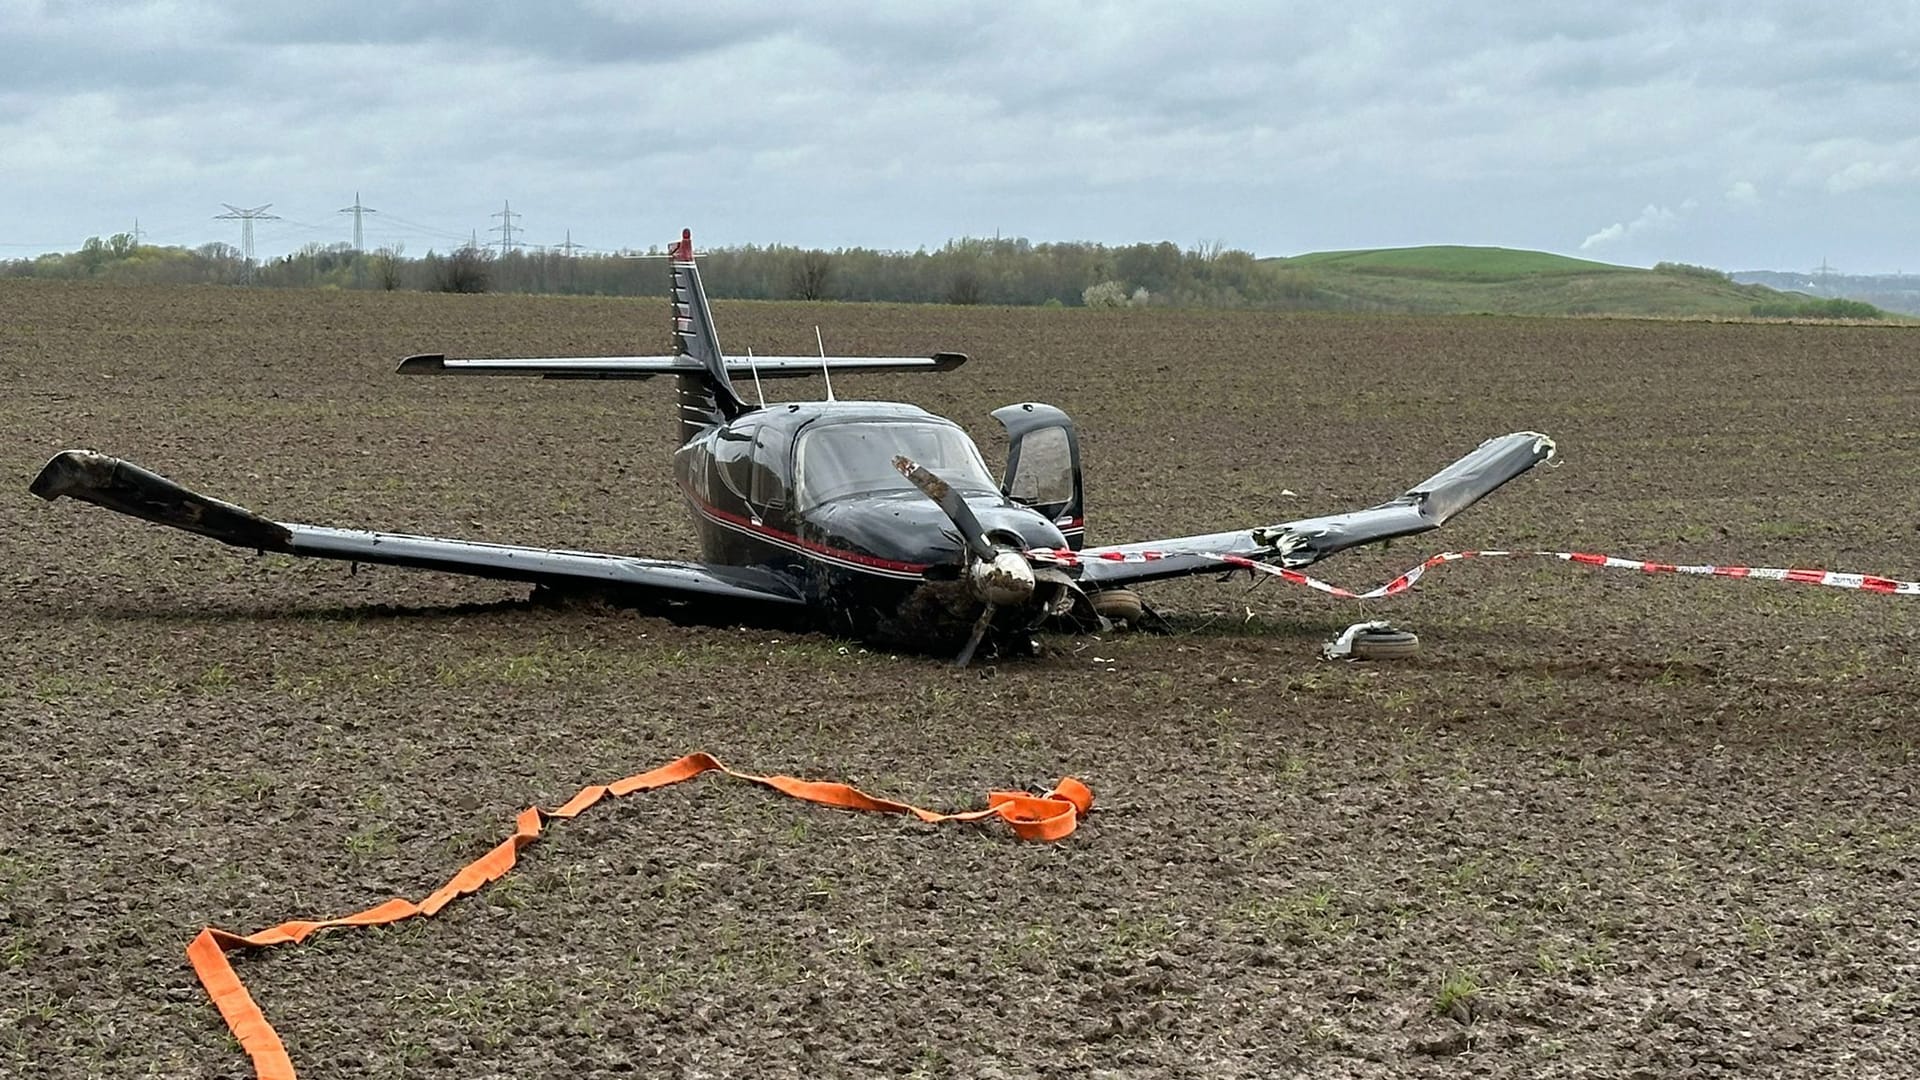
<point x="1604" y="237"/>
<point x="1651" y="219"/>
<point x="1865" y="174"/>
<point x="1743" y="193"/>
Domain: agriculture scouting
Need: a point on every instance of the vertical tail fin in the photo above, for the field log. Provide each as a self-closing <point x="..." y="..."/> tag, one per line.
<point x="707" y="398"/>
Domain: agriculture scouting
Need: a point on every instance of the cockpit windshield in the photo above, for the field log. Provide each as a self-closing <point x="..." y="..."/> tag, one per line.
<point x="856" y="458"/>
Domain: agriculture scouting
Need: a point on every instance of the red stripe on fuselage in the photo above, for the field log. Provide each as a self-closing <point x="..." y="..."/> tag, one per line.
<point x="709" y="510"/>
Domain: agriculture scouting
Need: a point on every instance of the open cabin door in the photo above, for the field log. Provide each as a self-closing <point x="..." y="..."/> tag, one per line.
<point x="1043" y="465"/>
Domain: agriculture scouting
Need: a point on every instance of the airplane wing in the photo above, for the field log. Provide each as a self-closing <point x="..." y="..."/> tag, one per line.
<point x="129" y="489"/>
<point x="1295" y="544"/>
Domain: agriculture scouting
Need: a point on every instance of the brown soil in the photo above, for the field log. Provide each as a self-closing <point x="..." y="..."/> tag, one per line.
<point x="1605" y="823"/>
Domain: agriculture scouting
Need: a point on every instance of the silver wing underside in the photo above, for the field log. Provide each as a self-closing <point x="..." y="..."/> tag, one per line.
<point x="1301" y="543"/>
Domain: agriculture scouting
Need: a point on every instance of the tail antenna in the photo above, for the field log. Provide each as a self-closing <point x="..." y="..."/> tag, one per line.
<point x="755" y="368"/>
<point x="825" y="368"/>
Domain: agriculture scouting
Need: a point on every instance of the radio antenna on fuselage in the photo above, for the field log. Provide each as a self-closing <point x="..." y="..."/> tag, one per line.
<point x="755" y="368"/>
<point x="825" y="368"/>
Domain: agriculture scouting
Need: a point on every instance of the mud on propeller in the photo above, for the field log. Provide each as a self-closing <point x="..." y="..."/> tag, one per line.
<point x="999" y="575"/>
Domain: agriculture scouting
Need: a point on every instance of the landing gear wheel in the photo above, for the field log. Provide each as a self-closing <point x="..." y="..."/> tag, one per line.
<point x="1119" y="605"/>
<point x="1384" y="645"/>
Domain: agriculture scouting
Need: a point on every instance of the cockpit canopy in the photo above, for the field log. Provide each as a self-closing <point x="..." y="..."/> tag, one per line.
<point x="836" y="461"/>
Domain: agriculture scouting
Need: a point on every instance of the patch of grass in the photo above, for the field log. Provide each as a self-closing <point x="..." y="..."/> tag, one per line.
<point x="15" y="871"/>
<point x="514" y="892"/>
<point x="821" y="650"/>
<point x="1879" y="1006"/>
<point x="258" y="786"/>
<point x="17" y="951"/>
<point x="373" y="841"/>
<point x="1138" y="936"/>
<point x="55" y="687"/>
<point x="1035" y="948"/>
<point x="1457" y="996"/>
<point x="655" y="993"/>
<point x="1301" y="918"/>
<point x="1583" y="960"/>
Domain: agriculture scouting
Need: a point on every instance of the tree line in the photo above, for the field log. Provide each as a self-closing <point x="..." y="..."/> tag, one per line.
<point x="966" y="271"/>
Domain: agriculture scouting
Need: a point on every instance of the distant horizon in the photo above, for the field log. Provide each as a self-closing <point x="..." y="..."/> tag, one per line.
<point x="447" y="241"/>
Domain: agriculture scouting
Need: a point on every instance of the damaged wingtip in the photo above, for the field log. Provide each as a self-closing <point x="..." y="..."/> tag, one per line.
<point x="65" y="471"/>
<point x="1544" y="444"/>
<point x="126" y="488"/>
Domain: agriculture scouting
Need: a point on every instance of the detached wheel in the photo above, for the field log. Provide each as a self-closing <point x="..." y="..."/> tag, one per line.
<point x="1385" y="645"/>
<point x="1119" y="605"/>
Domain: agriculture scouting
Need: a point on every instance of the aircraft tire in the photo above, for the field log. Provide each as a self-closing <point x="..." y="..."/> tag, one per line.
<point x="1385" y="645"/>
<point x="1119" y="605"/>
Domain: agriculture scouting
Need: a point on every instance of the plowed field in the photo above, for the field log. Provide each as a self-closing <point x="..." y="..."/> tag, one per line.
<point x="1606" y="824"/>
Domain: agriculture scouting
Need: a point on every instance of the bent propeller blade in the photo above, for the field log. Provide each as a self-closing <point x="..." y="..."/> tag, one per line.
<point x="950" y="501"/>
<point x="973" y="639"/>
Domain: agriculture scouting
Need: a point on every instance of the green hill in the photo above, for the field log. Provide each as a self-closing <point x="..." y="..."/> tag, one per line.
<point x="1452" y="263"/>
<point x="1449" y="279"/>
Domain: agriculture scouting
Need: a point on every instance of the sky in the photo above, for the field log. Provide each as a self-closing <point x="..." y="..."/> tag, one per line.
<point x="1748" y="135"/>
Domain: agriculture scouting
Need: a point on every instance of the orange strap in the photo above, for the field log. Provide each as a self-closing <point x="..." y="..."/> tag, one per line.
<point x="1044" y="817"/>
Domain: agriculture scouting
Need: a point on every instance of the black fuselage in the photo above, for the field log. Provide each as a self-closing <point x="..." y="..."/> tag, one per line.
<point x="874" y="556"/>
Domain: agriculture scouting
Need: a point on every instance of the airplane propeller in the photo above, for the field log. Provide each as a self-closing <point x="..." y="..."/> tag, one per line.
<point x="999" y="576"/>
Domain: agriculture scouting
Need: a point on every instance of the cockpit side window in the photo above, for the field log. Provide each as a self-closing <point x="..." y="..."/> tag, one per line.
<point x="770" y="448"/>
<point x="733" y="458"/>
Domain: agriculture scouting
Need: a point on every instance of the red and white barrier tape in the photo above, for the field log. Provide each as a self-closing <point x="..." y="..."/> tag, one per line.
<point x="1830" y="578"/>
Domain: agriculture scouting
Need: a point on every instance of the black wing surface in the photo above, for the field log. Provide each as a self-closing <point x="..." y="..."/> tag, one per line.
<point x="1295" y="544"/>
<point x="129" y="489"/>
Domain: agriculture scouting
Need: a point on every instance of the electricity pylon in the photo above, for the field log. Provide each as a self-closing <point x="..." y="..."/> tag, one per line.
<point x="506" y="228"/>
<point x="246" y="218"/>
<point x="356" y="210"/>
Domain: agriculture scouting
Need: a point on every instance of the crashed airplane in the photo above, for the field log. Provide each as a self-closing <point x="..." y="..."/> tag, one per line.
<point x="873" y="519"/>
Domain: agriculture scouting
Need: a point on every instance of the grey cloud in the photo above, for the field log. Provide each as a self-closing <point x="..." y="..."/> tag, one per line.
<point x="1277" y="126"/>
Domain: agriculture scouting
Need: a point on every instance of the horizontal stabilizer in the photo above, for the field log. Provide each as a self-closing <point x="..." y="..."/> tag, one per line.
<point x="646" y="367"/>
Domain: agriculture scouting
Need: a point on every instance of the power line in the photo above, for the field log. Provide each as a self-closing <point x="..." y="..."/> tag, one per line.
<point x="247" y="218"/>
<point x="506" y="228"/>
<point x="296" y="223"/>
<point x="356" y="210"/>
<point x="569" y="249"/>
<point x="430" y="230"/>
